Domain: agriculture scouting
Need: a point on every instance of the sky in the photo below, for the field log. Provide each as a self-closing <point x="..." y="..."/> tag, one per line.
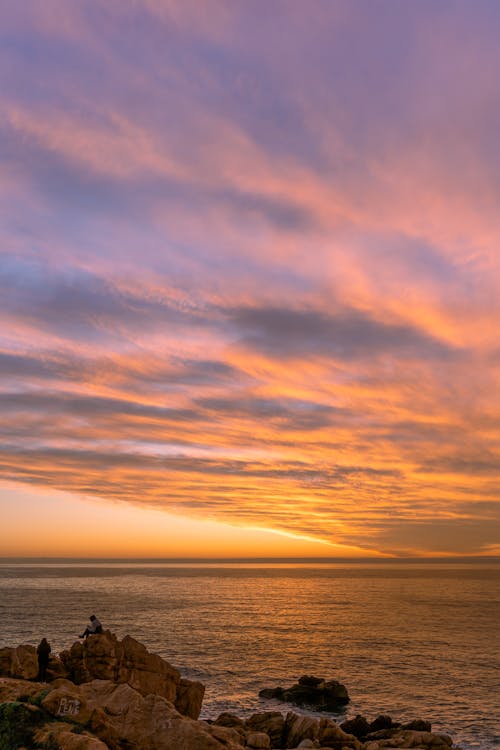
<point x="249" y="278"/>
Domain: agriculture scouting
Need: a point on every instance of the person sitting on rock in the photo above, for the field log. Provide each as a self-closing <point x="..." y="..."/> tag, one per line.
<point x="43" y="650"/>
<point x="94" y="626"/>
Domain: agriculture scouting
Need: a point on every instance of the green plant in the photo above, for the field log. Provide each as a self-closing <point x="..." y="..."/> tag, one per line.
<point x="17" y="725"/>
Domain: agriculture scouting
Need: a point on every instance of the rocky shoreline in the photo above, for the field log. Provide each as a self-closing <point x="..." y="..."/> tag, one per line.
<point x="107" y="694"/>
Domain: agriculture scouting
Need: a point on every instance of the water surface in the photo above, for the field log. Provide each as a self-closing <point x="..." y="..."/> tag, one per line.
<point x="412" y="640"/>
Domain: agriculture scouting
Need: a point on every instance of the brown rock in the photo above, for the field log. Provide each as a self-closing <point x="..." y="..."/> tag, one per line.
<point x="122" y="715"/>
<point x="104" y="657"/>
<point x="61" y="735"/>
<point x="189" y="698"/>
<point x="270" y="722"/>
<point x="332" y="735"/>
<point x="258" y="740"/>
<point x="14" y="690"/>
<point x="70" y="741"/>
<point x="226" y="735"/>
<point x="227" y="719"/>
<point x="382" y="722"/>
<point x="20" y="662"/>
<point x="358" y="726"/>
<point x="67" y="703"/>
<point x="146" y="672"/>
<point x="56" y="668"/>
<point x="231" y="722"/>
<point x="405" y="738"/>
<point x="298" y="728"/>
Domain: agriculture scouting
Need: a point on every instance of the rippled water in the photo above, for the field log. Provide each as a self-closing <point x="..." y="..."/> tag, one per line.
<point x="406" y="639"/>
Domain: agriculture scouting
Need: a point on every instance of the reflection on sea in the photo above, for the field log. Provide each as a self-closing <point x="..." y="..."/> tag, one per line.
<point x="411" y="640"/>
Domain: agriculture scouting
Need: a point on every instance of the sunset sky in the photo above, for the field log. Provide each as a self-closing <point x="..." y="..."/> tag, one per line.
<point x="250" y="277"/>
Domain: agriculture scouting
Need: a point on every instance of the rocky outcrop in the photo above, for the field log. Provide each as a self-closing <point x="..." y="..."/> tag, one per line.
<point x="103" y="715"/>
<point x="99" y="715"/>
<point x="299" y="731"/>
<point x="121" y="697"/>
<point x="323" y="695"/>
<point x="289" y="731"/>
<point x="104" y="657"/>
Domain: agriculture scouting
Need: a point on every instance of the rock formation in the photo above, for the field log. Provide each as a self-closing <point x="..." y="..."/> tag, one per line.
<point x="323" y="695"/>
<point x="117" y="696"/>
<point x="382" y="726"/>
<point x="104" y="657"/>
<point x="294" y="731"/>
<point x="97" y="715"/>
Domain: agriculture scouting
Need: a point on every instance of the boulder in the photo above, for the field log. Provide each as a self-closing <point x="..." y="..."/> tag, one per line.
<point x="189" y="698"/>
<point x="298" y="728"/>
<point x="146" y="672"/>
<point x="406" y="738"/>
<point x="258" y="741"/>
<point x="226" y="735"/>
<point x="104" y="657"/>
<point x="323" y="695"/>
<point x="333" y="736"/>
<point x="20" y="662"/>
<point x="358" y="726"/>
<point x="383" y="727"/>
<point x="270" y="722"/>
<point x="67" y="703"/>
<point x="382" y="722"/>
<point x="230" y="721"/>
<point x="124" y="717"/>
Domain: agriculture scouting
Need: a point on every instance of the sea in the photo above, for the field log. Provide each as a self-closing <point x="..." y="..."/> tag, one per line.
<point x="408" y="639"/>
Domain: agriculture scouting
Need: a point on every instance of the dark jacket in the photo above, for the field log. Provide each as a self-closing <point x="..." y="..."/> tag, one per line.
<point x="43" y="650"/>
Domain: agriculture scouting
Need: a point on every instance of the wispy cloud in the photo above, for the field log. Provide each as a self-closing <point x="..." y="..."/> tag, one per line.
<point x="250" y="272"/>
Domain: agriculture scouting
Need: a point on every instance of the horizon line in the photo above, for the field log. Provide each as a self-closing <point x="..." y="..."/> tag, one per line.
<point x="253" y="559"/>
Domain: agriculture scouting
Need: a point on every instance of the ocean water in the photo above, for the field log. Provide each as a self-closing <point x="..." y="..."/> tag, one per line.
<point x="409" y="640"/>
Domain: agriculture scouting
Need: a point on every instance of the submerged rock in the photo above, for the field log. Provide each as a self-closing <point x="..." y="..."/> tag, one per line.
<point x="323" y="695"/>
